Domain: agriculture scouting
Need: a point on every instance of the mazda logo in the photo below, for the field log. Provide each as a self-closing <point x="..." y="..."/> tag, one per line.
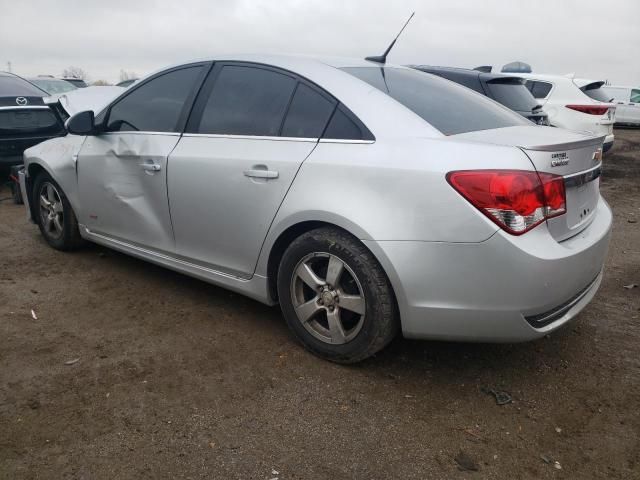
<point x="21" y="101"/>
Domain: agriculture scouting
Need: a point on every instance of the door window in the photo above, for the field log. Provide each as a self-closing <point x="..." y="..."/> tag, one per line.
<point x="156" y="105"/>
<point x="635" y="95"/>
<point x="247" y="101"/>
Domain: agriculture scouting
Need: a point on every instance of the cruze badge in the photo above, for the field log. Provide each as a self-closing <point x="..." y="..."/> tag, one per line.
<point x="559" y="159"/>
<point x="21" y="101"/>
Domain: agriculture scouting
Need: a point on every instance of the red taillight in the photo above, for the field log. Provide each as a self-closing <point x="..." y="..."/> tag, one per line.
<point x="515" y="200"/>
<point x="589" y="109"/>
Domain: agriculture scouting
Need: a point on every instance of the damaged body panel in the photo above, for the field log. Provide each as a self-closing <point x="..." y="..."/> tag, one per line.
<point x="334" y="184"/>
<point x="122" y="187"/>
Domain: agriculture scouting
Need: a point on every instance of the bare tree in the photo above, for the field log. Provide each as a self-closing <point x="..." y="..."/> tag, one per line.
<point x="100" y="83"/>
<point x="75" y="72"/>
<point x="124" y="75"/>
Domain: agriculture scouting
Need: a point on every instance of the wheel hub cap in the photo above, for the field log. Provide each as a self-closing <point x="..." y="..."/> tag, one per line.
<point x="329" y="299"/>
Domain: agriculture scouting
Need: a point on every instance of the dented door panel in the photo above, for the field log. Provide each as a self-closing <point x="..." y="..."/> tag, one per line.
<point x="122" y="179"/>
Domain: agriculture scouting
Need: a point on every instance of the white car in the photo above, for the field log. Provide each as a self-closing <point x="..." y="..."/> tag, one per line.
<point x="575" y="104"/>
<point x="628" y="103"/>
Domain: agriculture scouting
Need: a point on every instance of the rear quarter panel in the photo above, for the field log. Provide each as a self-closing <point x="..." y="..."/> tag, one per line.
<point x="391" y="190"/>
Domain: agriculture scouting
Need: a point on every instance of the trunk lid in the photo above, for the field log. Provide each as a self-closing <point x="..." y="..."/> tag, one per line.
<point x="571" y="155"/>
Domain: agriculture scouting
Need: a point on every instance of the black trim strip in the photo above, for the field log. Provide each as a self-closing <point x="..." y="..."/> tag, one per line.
<point x="544" y="319"/>
<point x="583" y="178"/>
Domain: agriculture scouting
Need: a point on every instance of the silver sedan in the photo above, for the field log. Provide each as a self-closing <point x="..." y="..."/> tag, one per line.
<point x="366" y="199"/>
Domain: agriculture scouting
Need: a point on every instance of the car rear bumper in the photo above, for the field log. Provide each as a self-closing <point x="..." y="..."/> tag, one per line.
<point x="608" y="143"/>
<point x="505" y="289"/>
<point x="10" y="160"/>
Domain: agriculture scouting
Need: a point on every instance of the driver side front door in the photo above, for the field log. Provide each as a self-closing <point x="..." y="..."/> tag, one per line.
<point x="122" y="172"/>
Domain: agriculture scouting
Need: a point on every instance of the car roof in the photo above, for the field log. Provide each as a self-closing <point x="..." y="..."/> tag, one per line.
<point x="364" y="100"/>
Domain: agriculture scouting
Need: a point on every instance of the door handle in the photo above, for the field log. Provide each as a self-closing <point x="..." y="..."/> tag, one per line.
<point x="151" y="167"/>
<point x="259" y="173"/>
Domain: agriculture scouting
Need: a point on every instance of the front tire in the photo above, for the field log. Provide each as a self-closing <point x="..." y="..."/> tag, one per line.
<point x="335" y="296"/>
<point x="55" y="217"/>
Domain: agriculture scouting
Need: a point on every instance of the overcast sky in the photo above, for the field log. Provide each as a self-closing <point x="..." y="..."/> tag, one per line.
<point x="594" y="39"/>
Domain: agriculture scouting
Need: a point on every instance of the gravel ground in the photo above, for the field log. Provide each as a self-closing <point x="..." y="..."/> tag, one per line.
<point x="176" y="378"/>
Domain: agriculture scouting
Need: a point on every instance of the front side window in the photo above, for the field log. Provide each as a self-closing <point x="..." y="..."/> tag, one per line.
<point x="635" y="95"/>
<point x="448" y="107"/>
<point x="156" y="105"/>
<point x="247" y="101"/>
<point x="539" y="89"/>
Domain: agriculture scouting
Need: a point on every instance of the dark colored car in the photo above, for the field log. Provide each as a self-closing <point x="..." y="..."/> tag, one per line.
<point x="25" y="119"/>
<point x="508" y="90"/>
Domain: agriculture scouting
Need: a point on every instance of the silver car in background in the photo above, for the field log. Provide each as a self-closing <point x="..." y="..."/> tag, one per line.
<point x="366" y="199"/>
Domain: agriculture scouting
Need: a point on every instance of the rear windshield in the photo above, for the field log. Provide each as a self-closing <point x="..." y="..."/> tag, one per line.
<point x="53" y="86"/>
<point x="594" y="91"/>
<point x="28" y="122"/>
<point x="513" y="94"/>
<point x="450" y="108"/>
<point x="11" y="86"/>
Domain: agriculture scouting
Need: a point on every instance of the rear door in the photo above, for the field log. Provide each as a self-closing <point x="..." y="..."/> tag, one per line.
<point x="250" y="130"/>
<point x="122" y="172"/>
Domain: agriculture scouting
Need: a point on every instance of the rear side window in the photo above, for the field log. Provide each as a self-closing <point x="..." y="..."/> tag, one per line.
<point x="156" y="105"/>
<point x="539" y="89"/>
<point x="247" y="101"/>
<point x="341" y="127"/>
<point x="595" y="92"/>
<point x="635" y="95"/>
<point x="308" y="113"/>
<point x="450" y="108"/>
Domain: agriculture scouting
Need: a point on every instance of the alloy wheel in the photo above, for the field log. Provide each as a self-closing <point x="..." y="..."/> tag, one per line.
<point x="328" y="298"/>
<point x="51" y="210"/>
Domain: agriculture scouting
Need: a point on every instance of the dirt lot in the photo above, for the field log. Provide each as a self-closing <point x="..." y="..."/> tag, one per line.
<point x="180" y="379"/>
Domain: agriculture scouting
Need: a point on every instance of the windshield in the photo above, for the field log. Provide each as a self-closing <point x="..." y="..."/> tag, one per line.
<point x="450" y="108"/>
<point x="53" y="86"/>
<point x="12" y="86"/>
<point x="512" y="93"/>
<point x="594" y="91"/>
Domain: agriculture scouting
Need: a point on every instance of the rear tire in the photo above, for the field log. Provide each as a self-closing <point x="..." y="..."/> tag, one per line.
<point x="335" y="296"/>
<point x="54" y="215"/>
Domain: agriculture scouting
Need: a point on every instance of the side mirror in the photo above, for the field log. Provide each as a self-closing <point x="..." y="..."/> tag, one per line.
<point x="82" y="123"/>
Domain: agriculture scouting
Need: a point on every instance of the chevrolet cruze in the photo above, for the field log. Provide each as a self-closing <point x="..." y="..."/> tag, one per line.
<point x="366" y="199"/>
